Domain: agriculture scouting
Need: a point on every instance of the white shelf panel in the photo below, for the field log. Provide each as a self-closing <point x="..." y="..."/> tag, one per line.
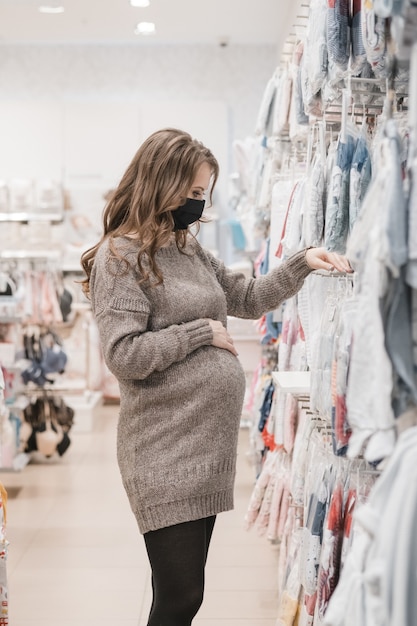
<point x="30" y="254"/>
<point x="297" y="383"/>
<point x="31" y="217"/>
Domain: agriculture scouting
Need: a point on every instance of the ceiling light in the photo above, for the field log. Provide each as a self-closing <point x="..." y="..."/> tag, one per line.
<point x="145" y="28"/>
<point x="140" y="3"/>
<point x="51" y="9"/>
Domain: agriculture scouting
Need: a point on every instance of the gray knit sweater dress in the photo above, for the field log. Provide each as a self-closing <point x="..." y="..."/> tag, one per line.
<point x="180" y="397"/>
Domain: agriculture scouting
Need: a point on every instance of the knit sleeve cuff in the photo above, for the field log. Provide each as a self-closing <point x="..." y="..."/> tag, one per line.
<point x="199" y="333"/>
<point x="298" y="266"/>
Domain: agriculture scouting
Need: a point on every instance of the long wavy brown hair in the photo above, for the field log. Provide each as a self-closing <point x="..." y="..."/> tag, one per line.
<point x="156" y="182"/>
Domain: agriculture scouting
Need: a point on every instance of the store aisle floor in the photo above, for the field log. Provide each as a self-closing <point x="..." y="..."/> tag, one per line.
<point x="76" y="557"/>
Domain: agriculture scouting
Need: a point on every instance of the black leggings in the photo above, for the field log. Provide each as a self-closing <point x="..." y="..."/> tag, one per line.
<point x="178" y="556"/>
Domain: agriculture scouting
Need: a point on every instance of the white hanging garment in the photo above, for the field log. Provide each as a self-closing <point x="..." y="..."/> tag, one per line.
<point x="378" y="580"/>
<point x="368" y="398"/>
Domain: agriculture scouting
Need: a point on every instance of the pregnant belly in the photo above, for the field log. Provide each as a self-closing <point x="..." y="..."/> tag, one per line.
<point x="218" y="374"/>
<point x="206" y="390"/>
<point x="192" y="409"/>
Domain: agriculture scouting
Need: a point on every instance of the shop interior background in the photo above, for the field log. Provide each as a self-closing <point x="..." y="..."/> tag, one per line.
<point x="80" y="91"/>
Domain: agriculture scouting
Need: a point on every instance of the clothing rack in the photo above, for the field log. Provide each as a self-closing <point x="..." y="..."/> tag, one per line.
<point x="335" y="274"/>
<point x="385" y="97"/>
<point x="31" y="255"/>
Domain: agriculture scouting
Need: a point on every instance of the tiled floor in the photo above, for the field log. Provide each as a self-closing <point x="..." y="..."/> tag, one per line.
<point x="76" y="557"/>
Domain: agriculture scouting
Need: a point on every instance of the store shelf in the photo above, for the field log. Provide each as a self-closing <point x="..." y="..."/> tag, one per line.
<point x="256" y="338"/>
<point x="72" y="268"/>
<point x="81" y="307"/>
<point x="297" y="383"/>
<point x="30" y="254"/>
<point x="10" y="319"/>
<point x="63" y="386"/>
<point x="31" y="217"/>
<point x="84" y="407"/>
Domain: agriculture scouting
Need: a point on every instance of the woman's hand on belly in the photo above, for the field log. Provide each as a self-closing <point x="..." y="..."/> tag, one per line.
<point x="221" y="338"/>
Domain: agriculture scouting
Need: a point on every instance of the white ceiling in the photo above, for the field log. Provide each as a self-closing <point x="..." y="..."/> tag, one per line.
<point x="177" y="21"/>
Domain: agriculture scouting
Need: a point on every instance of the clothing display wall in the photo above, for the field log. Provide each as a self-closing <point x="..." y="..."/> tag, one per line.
<point x="47" y="355"/>
<point x="332" y="163"/>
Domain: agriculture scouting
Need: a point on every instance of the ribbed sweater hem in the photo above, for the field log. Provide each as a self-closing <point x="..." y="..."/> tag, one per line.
<point x="171" y="513"/>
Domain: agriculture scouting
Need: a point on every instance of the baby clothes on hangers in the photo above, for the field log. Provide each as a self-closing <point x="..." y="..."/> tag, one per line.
<point x="341" y="430"/>
<point x="312" y="537"/>
<point x="338" y="32"/>
<point x="266" y="106"/>
<point x="378" y="581"/>
<point x="360" y="178"/>
<point x="299" y="458"/>
<point x="298" y="120"/>
<point x="315" y="57"/>
<point x="322" y="359"/>
<point x="290" y="596"/>
<point x="281" y="194"/>
<point x="259" y="491"/>
<point x="329" y="568"/>
<point x="281" y="109"/>
<point x="280" y="499"/>
<point x="368" y="397"/>
<point x="358" y="57"/>
<point x="262" y="520"/>
<point x="293" y="240"/>
<point x="291" y="347"/>
<point x="374" y="32"/>
<point x="337" y="209"/>
<point x="286" y="546"/>
<point x="411" y="275"/>
<point x="313" y="217"/>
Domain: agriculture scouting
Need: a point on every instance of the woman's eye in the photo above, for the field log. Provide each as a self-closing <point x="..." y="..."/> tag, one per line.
<point x="197" y="194"/>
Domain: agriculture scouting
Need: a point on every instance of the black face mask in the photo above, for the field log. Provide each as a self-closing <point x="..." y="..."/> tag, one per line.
<point x="188" y="213"/>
